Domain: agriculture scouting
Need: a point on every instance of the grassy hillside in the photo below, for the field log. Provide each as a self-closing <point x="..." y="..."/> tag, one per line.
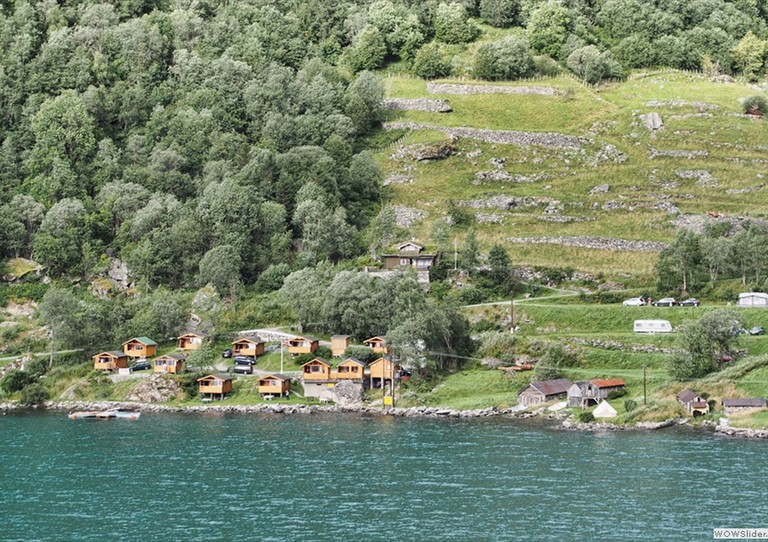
<point x="698" y="114"/>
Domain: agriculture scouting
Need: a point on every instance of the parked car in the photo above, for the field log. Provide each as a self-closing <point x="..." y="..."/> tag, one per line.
<point x="243" y="360"/>
<point x="226" y="353"/>
<point x="665" y="302"/>
<point x="690" y="302"/>
<point x="142" y="365"/>
<point x="757" y="330"/>
<point x="244" y="369"/>
<point x="634" y="302"/>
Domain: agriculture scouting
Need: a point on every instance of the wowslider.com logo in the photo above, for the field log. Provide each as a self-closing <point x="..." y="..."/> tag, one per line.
<point x="741" y="534"/>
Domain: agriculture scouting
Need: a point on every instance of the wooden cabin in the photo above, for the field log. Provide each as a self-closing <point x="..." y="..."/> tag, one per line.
<point x="409" y="255"/>
<point x="543" y="391"/>
<point x="377" y="344"/>
<point x="110" y="361"/>
<point x="303" y="345"/>
<point x="140" y="347"/>
<point x="693" y="403"/>
<point x="339" y="344"/>
<point x="211" y="386"/>
<point x="170" y="363"/>
<point x="248" y="346"/>
<point x="317" y="369"/>
<point x="275" y="385"/>
<point x="382" y="371"/>
<point x="191" y="341"/>
<point x="349" y="369"/>
<point x="585" y="394"/>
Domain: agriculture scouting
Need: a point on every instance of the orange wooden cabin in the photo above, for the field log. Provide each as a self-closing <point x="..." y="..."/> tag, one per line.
<point x="349" y="369"/>
<point x="317" y="369"/>
<point x="140" y="347"/>
<point x="248" y="346"/>
<point x="303" y="345"/>
<point x="275" y="385"/>
<point x="170" y="363"/>
<point x="339" y="344"/>
<point x="110" y="361"/>
<point x="214" y="385"/>
<point x="377" y="344"/>
<point x="191" y="341"/>
<point x="382" y="371"/>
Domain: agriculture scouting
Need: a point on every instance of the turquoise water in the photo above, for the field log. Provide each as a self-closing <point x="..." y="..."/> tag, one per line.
<point x="322" y="477"/>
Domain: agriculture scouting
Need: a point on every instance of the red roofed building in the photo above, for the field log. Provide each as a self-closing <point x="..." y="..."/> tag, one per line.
<point x="585" y="394"/>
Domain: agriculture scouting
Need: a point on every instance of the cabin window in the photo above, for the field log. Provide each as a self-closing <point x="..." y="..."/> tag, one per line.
<point x="159" y="362"/>
<point x="404" y="261"/>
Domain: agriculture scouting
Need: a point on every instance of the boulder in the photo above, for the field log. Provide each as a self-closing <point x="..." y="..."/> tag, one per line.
<point x="652" y="121"/>
<point x="158" y="388"/>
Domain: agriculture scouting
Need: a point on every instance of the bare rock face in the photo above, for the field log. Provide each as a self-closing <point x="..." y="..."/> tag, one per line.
<point x="120" y="275"/>
<point x="652" y="121"/>
<point x="344" y="394"/>
<point x="158" y="388"/>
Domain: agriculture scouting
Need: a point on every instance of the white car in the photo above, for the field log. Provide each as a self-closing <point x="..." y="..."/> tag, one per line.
<point x="634" y="302"/>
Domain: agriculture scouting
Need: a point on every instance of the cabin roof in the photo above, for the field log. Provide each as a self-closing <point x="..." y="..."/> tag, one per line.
<point x="750" y="402"/>
<point x="687" y="395"/>
<point x="254" y="339"/>
<point x="146" y="341"/>
<point x="304" y="338"/>
<point x="552" y="387"/>
<point x="191" y="334"/>
<point x="220" y="376"/>
<point x="321" y="360"/>
<point x="352" y="360"/>
<point x="175" y="357"/>
<point x="113" y="353"/>
<point x="339" y="336"/>
<point x="374" y="362"/>
<point x="374" y="339"/>
<point x="279" y="376"/>
<point x="411" y="244"/>
<point x="608" y="382"/>
<point x="753" y="294"/>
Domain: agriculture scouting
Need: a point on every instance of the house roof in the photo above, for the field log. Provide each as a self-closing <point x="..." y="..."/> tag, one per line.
<point x="417" y="246"/>
<point x="219" y="376"/>
<point x="608" y="382"/>
<point x="175" y="357"/>
<point x="146" y="341"/>
<point x="687" y="395"/>
<point x="279" y="376"/>
<point x="374" y="362"/>
<point x="339" y="336"/>
<point x="304" y="338"/>
<point x="352" y="360"/>
<point x="753" y="294"/>
<point x="113" y="353"/>
<point x="374" y="339"/>
<point x="552" y="387"/>
<point x="191" y="334"/>
<point x="750" y="402"/>
<point x="254" y="339"/>
<point x="321" y="360"/>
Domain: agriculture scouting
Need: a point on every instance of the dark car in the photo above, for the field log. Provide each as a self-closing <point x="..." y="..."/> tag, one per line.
<point x="226" y="354"/>
<point x="141" y="366"/>
<point x="665" y="302"/>
<point x="692" y="302"/>
<point x="757" y="330"/>
<point x="244" y="369"/>
<point x="243" y="360"/>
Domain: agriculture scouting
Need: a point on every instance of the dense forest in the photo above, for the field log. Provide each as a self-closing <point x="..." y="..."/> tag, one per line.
<point x="229" y="142"/>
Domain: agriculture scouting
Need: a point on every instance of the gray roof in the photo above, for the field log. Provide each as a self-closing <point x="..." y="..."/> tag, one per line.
<point x="552" y="387"/>
<point x="177" y="357"/>
<point x="218" y="375"/>
<point x="687" y="395"/>
<point x="339" y="336"/>
<point x="749" y="402"/>
<point x="281" y="376"/>
<point x="116" y="353"/>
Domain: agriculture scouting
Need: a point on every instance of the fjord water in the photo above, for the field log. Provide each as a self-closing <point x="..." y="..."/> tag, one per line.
<point x="345" y="477"/>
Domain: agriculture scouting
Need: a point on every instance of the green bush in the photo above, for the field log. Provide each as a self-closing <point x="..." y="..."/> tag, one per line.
<point x="591" y="65"/>
<point x="69" y="359"/>
<point x="500" y="13"/>
<point x="15" y="380"/>
<point x="507" y="59"/>
<point x="585" y="417"/>
<point x="431" y="63"/>
<point x="36" y="367"/>
<point x="630" y="405"/>
<point x="755" y="105"/>
<point x="34" y="394"/>
<point x="368" y="50"/>
<point x="452" y="24"/>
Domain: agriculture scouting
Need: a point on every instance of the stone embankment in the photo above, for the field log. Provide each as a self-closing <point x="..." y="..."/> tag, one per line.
<point x="724" y="428"/>
<point x="459" y="89"/>
<point x="504" y="137"/>
<point x="418" y="104"/>
<point x="657" y="153"/>
<point x="599" y="243"/>
<point x="703" y="106"/>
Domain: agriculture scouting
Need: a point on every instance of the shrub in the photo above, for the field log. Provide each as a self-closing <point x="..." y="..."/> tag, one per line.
<point x="630" y="405"/>
<point x="585" y="417"/>
<point x="368" y="51"/>
<point x="755" y="105"/>
<point x="591" y="65"/>
<point x="431" y="63"/>
<point x="272" y="278"/>
<point x="547" y="66"/>
<point x="15" y="380"/>
<point x="500" y="13"/>
<point x="553" y="361"/>
<point x="452" y="24"/>
<point x="37" y="367"/>
<point x="68" y="359"/>
<point x="34" y="394"/>
<point x="507" y="59"/>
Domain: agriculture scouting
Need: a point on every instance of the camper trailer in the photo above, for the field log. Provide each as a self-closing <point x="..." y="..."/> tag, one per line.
<point x="653" y="326"/>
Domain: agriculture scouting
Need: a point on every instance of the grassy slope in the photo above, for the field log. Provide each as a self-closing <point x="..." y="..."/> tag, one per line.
<point x="609" y="116"/>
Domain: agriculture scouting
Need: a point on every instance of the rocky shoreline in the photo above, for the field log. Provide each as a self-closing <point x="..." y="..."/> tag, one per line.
<point x="562" y="420"/>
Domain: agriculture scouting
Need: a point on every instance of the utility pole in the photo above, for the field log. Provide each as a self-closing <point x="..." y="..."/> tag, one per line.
<point x="455" y="254"/>
<point x="645" y="387"/>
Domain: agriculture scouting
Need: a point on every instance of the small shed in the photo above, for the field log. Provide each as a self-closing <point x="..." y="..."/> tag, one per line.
<point x="743" y="405"/>
<point x="303" y="345"/>
<point x="382" y="371"/>
<point x="170" y="363"/>
<point x="543" y="391"/>
<point x="585" y="394"/>
<point x="604" y="410"/>
<point x="377" y="344"/>
<point x="275" y="385"/>
<point x="753" y="299"/>
<point x="214" y="386"/>
<point x="110" y="361"/>
<point x="693" y="403"/>
<point x="248" y="346"/>
<point x="349" y="369"/>
<point x="339" y="344"/>
<point x="191" y="341"/>
<point x="140" y="347"/>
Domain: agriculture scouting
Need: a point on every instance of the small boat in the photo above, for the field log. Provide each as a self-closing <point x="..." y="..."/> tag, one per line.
<point x="104" y="414"/>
